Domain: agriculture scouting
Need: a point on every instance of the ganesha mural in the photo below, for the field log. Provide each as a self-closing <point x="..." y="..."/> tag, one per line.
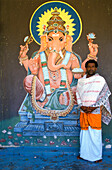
<point x="52" y="72"/>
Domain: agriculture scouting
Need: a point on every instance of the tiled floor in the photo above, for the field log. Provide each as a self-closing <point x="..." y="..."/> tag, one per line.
<point x="49" y="158"/>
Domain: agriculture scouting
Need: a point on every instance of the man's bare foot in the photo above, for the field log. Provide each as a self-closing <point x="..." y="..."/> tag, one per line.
<point x="98" y="161"/>
<point x="78" y="157"/>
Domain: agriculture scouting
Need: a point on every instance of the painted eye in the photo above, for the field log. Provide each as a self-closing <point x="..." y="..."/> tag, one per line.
<point x="61" y="38"/>
<point x="50" y="39"/>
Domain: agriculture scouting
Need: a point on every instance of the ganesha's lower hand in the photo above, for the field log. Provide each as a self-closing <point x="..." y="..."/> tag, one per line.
<point x="62" y="100"/>
<point x="33" y="66"/>
<point x="78" y="76"/>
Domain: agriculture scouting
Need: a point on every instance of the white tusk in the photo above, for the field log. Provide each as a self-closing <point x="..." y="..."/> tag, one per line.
<point x="60" y="52"/>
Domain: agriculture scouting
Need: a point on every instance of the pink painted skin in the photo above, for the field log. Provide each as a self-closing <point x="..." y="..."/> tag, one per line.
<point x="54" y="42"/>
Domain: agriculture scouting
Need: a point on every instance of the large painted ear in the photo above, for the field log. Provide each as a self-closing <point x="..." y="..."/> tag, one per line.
<point x="46" y="39"/>
<point x="68" y="45"/>
<point x="43" y="38"/>
<point x="65" y="38"/>
<point x="43" y="43"/>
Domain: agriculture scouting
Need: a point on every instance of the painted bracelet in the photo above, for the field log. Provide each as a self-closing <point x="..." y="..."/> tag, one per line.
<point x="91" y="57"/>
<point x="22" y="59"/>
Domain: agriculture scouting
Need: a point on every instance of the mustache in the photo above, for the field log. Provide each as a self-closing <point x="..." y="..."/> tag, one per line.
<point x="88" y="71"/>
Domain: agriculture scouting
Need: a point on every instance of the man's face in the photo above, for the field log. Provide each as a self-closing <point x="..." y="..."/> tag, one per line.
<point x="91" y="69"/>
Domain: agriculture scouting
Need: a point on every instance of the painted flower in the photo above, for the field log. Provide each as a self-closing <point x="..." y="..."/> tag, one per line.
<point x="2" y="140"/>
<point x="10" y="143"/>
<point x="27" y="141"/>
<point x="4" y="131"/>
<point x="74" y="141"/>
<point x="63" y="143"/>
<point x="108" y="146"/>
<point x="10" y="137"/>
<point x="16" y="143"/>
<point x="44" y="137"/>
<point x="107" y="140"/>
<point x="51" y="143"/>
<point x="68" y="140"/>
<point x="9" y="133"/>
<point x="19" y="135"/>
<point x="16" y="138"/>
<point x="39" y="141"/>
<point x="10" y="127"/>
<point x="55" y="137"/>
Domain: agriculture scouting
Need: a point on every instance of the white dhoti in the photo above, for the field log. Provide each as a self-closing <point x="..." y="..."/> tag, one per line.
<point x="91" y="144"/>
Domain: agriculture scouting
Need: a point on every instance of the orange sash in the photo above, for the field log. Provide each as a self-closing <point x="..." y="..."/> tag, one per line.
<point x="89" y="119"/>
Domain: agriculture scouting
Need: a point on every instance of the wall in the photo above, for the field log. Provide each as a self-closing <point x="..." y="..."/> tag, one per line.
<point x="14" y="26"/>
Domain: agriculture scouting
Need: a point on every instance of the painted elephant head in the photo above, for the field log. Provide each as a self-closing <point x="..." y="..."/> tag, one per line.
<point x="56" y="39"/>
<point x="57" y="44"/>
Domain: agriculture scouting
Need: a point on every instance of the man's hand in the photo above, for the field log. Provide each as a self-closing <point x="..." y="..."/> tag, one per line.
<point x="88" y="109"/>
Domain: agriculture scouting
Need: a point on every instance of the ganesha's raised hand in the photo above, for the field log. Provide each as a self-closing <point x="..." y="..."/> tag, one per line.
<point x="23" y="51"/>
<point x="93" y="48"/>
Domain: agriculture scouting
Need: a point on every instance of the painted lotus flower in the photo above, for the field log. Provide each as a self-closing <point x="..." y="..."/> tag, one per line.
<point x="63" y="143"/>
<point x="2" y="140"/>
<point x="51" y="143"/>
<point x="10" y="127"/>
<point x="10" y="137"/>
<point x="19" y="135"/>
<point x="4" y="131"/>
<point x="27" y="141"/>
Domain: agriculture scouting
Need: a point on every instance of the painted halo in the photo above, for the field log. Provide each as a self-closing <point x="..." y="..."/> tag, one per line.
<point x="42" y="15"/>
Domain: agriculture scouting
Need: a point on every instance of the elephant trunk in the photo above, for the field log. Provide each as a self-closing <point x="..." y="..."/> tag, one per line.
<point x="52" y="60"/>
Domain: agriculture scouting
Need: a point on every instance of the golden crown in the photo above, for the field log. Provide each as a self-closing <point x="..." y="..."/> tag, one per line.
<point x="56" y="24"/>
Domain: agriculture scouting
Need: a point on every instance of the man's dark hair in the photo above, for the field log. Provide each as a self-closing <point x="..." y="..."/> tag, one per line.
<point x="91" y="61"/>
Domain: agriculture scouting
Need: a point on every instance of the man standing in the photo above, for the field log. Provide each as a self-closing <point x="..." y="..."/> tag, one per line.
<point x="92" y="96"/>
